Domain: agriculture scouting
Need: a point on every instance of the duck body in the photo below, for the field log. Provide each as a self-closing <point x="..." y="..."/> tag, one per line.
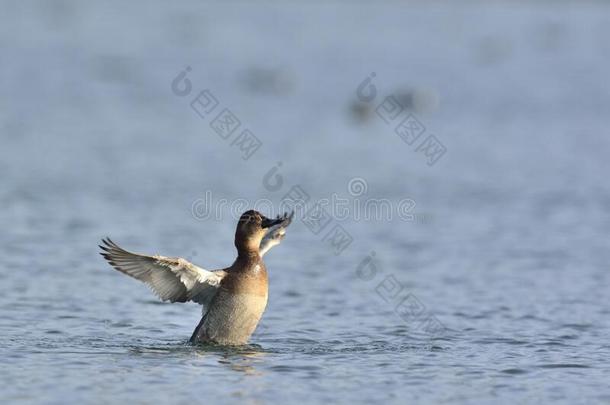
<point x="238" y="305"/>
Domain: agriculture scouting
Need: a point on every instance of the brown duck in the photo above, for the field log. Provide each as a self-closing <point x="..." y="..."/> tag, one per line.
<point x="233" y="299"/>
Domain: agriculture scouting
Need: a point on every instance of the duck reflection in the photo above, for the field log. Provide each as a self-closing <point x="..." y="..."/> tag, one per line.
<point x="239" y="358"/>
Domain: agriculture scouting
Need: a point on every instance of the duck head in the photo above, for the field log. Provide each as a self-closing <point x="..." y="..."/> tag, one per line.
<point x="251" y="229"/>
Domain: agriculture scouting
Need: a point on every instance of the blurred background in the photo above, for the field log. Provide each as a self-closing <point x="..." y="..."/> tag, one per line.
<point x="494" y="289"/>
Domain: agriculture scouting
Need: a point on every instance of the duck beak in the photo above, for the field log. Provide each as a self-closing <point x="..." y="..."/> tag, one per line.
<point x="268" y="223"/>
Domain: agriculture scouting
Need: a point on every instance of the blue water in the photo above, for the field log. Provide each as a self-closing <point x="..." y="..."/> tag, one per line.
<point x="495" y="290"/>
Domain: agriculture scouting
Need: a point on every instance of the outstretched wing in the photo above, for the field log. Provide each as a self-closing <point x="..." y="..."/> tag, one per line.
<point x="171" y="278"/>
<point x="275" y="234"/>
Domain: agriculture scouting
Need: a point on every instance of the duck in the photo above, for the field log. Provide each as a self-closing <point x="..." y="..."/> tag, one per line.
<point x="233" y="299"/>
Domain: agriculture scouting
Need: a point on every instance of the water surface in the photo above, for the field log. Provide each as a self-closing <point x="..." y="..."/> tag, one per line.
<point x="508" y="250"/>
